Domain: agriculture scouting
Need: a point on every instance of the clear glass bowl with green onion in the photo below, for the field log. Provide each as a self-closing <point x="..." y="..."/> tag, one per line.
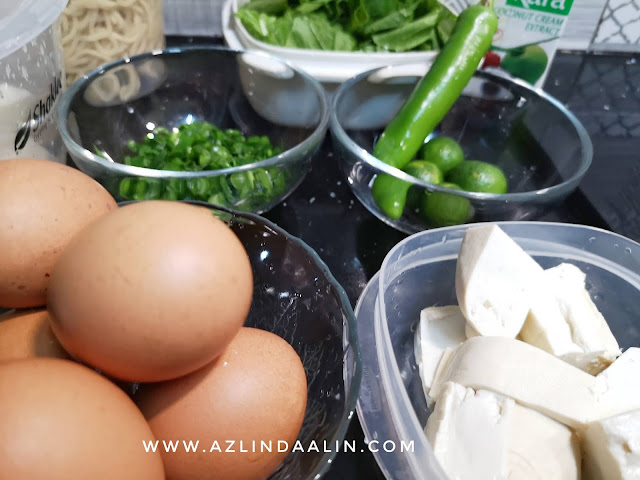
<point x="203" y="123"/>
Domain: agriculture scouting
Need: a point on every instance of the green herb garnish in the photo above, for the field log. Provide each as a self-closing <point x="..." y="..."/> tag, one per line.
<point x="202" y="146"/>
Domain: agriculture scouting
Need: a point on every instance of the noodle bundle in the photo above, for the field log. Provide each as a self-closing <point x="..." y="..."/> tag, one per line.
<point x="95" y="32"/>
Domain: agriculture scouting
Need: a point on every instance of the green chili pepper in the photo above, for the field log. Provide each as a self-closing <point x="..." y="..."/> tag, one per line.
<point x="434" y="95"/>
<point x="438" y="90"/>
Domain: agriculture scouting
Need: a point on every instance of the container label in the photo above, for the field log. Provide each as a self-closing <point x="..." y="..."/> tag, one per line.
<point x="527" y="37"/>
<point x="521" y="26"/>
<point x="557" y="7"/>
<point x="38" y="116"/>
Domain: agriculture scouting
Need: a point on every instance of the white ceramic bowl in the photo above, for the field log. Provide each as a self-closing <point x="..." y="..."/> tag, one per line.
<point x="330" y="68"/>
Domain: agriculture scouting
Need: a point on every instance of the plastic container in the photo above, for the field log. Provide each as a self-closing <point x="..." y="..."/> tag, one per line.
<point x="419" y="272"/>
<point x="330" y="68"/>
<point x="32" y="78"/>
<point x="95" y="32"/>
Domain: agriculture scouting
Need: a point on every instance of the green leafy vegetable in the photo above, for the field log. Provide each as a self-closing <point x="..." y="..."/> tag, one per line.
<point x="311" y="6"/>
<point x="349" y="25"/>
<point x="273" y="7"/>
<point x="202" y="146"/>
<point x="389" y="22"/>
<point x="343" y="42"/>
<point x="410" y="35"/>
<point x="445" y="26"/>
<point x="301" y="34"/>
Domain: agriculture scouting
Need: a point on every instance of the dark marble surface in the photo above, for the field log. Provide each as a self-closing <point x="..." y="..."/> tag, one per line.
<point x="604" y="93"/>
<point x="602" y="90"/>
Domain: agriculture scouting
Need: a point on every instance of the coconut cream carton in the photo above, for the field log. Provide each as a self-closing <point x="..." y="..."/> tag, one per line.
<point x="527" y="37"/>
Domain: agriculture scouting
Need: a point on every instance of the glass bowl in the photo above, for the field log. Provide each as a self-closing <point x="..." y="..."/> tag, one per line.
<point x="296" y="297"/>
<point x="542" y="148"/>
<point x="420" y="272"/>
<point x="251" y="92"/>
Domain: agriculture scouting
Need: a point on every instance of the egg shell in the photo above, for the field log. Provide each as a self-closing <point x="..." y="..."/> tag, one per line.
<point x="151" y="291"/>
<point x="255" y="391"/>
<point x="43" y="204"/>
<point x="28" y="335"/>
<point x="60" y="420"/>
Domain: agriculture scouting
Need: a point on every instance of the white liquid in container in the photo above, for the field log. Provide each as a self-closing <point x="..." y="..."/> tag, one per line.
<point x="32" y="78"/>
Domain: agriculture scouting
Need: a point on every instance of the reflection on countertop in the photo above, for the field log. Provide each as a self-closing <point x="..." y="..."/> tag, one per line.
<point x="604" y="93"/>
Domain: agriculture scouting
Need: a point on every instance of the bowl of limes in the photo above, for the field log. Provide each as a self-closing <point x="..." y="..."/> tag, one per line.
<point x="503" y="151"/>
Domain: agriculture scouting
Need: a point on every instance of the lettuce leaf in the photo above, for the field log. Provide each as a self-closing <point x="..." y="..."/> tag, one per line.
<point x="410" y="35"/>
<point x="349" y="25"/>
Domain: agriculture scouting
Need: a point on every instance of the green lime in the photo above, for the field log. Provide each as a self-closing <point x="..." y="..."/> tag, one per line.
<point x="425" y="171"/>
<point x="445" y="209"/>
<point x="444" y="152"/>
<point x="476" y="176"/>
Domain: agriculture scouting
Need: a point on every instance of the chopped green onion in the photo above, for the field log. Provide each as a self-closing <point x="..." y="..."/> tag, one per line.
<point x="201" y="146"/>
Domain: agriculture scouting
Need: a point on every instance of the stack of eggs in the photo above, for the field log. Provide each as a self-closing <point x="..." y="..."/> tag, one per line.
<point x="153" y="294"/>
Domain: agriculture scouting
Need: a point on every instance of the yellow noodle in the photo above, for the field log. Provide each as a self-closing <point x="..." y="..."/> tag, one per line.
<point x="95" y="32"/>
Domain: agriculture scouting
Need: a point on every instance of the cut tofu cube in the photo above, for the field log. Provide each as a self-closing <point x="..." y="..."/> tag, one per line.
<point x="565" y="322"/>
<point x="494" y="281"/>
<point x="538" y="380"/>
<point x="441" y="372"/>
<point x="589" y="329"/>
<point x="468" y="431"/>
<point x="592" y="362"/>
<point x="546" y="327"/>
<point x="612" y="448"/>
<point x="617" y="389"/>
<point x="439" y="328"/>
<point x="484" y="435"/>
<point x="532" y="377"/>
<point x="541" y="448"/>
<point x="469" y="331"/>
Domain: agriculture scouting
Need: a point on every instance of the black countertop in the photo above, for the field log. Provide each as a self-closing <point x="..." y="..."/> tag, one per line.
<point x="602" y="90"/>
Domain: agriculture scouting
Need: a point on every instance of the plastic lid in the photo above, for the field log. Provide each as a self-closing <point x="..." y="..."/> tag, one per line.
<point x="22" y="21"/>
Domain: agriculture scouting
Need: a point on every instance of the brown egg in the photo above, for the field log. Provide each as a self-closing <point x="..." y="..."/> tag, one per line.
<point x="28" y="335"/>
<point x="256" y="391"/>
<point x="60" y="420"/>
<point x="151" y="291"/>
<point x="43" y="204"/>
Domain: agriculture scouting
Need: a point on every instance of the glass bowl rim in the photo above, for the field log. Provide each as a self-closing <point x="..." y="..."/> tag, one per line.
<point x="63" y="110"/>
<point x="557" y="190"/>
<point x="351" y="399"/>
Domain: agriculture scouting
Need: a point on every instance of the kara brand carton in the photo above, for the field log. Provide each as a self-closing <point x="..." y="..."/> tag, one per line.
<point x="527" y="37"/>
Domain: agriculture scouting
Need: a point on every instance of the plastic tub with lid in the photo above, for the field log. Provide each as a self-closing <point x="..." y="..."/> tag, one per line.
<point x="419" y="272"/>
<point x="32" y="79"/>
